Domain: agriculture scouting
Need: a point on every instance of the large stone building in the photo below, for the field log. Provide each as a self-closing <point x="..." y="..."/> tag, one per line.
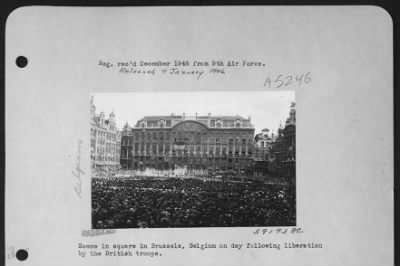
<point x="213" y="143"/>
<point x="105" y="141"/>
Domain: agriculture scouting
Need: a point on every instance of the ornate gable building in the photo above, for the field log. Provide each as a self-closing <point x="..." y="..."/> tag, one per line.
<point x="198" y="142"/>
<point x="283" y="150"/>
<point x="105" y="141"/>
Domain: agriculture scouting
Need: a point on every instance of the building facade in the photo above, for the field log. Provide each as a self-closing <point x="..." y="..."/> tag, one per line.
<point x="262" y="144"/>
<point x="213" y="143"/>
<point x="283" y="148"/>
<point x="262" y="152"/>
<point x="289" y="144"/>
<point x="105" y="141"/>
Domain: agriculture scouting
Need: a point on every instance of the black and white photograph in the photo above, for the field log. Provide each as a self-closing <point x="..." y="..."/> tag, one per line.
<point x="204" y="159"/>
<point x="199" y="135"/>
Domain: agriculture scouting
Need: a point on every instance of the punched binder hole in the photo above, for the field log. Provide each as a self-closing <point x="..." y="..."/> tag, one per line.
<point x="22" y="254"/>
<point x="21" y="61"/>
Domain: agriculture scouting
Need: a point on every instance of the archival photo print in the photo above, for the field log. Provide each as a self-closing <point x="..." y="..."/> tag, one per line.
<point x="193" y="159"/>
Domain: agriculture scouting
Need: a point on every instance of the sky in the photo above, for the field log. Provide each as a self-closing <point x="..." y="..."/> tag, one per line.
<point x="266" y="109"/>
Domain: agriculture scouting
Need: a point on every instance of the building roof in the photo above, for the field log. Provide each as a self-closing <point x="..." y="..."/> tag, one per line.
<point x="222" y="117"/>
<point x="231" y="117"/>
<point x="157" y="117"/>
<point x="209" y="121"/>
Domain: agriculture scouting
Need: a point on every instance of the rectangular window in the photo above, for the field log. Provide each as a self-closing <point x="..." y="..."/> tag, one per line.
<point x="204" y="148"/>
<point x="227" y="123"/>
<point x="152" y="123"/>
<point x="245" y="123"/>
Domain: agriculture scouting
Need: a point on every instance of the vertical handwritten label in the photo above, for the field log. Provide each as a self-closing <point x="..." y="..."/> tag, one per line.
<point x="78" y="172"/>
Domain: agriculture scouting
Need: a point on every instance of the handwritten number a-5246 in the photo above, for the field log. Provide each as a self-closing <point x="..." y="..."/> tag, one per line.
<point x="282" y="80"/>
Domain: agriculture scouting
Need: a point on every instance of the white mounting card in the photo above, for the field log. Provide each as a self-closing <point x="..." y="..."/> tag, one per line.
<point x="76" y="198"/>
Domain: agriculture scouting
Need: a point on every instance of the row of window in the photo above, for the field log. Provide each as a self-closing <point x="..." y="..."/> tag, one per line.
<point x="156" y="123"/>
<point x="203" y="147"/>
<point x="109" y="148"/>
<point x="225" y="123"/>
<point x="103" y="134"/>
<point x="127" y="154"/>
<point x="213" y="123"/>
<point x="102" y="142"/>
<point x="192" y="161"/>
<point x="186" y="141"/>
<point x="167" y="135"/>
<point x="105" y="158"/>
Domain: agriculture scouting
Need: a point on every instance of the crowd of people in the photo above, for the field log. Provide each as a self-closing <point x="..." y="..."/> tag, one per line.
<point x="173" y="202"/>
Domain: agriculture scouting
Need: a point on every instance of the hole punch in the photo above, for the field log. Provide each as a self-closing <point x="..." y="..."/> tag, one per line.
<point x="21" y="61"/>
<point x="22" y="254"/>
